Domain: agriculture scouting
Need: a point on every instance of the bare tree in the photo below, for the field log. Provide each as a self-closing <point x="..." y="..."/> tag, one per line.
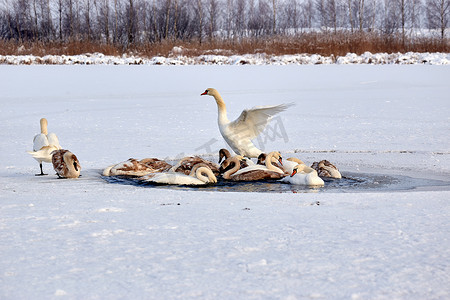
<point x="350" y="13"/>
<point x="213" y="14"/>
<point x="360" y="14"/>
<point x="438" y="15"/>
<point x="307" y="9"/>
<point x="291" y="15"/>
<point x="199" y="17"/>
<point x="274" y="16"/>
<point x="103" y="16"/>
<point x="239" y="17"/>
<point x="415" y="16"/>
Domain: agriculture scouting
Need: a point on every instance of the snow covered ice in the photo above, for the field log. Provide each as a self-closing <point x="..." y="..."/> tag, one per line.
<point x="89" y="239"/>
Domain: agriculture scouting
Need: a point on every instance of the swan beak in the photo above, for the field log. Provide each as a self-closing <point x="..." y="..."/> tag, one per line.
<point x="294" y="172"/>
<point x="280" y="161"/>
<point x="75" y="166"/>
<point x="204" y="93"/>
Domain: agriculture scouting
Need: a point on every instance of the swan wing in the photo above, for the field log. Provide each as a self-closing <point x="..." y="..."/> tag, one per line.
<point x="172" y="178"/>
<point x="256" y="174"/>
<point x="251" y="168"/>
<point x="131" y="167"/>
<point x="39" y="141"/>
<point x="252" y="121"/>
<point x="45" y="154"/>
<point x="53" y="140"/>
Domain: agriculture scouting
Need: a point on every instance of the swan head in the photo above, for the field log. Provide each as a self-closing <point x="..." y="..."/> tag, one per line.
<point x="302" y="168"/>
<point x="261" y="159"/>
<point x="277" y="156"/>
<point x="224" y="153"/>
<point x="210" y="92"/>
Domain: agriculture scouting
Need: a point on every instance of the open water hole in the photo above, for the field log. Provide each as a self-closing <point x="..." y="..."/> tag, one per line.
<point x="350" y="183"/>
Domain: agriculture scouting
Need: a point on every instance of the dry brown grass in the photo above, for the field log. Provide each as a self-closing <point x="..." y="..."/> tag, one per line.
<point x="339" y="43"/>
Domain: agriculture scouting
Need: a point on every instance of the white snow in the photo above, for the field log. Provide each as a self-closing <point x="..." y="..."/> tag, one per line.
<point x="89" y="239"/>
<point x="176" y="57"/>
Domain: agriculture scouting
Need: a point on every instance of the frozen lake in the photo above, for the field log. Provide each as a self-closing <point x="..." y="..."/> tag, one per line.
<point x="89" y="239"/>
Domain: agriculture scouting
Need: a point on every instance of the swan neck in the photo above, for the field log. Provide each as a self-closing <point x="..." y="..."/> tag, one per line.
<point x="199" y="174"/>
<point x="233" y="170"/>
<point x="44" y="124"/>
<point x="269" y="164"/>
<point x="221" y="107"/>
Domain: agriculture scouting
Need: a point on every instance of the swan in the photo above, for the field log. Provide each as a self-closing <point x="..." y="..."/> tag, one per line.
<point x="326" y="169"/>
<point x="304" y="175"/>
<point x="290" y="163"/>
<point x="200" y="174"/>
<point x="186" y="164"/>
<point x="252" y="173"/>
<point x="275" y="160"/>
<point x="44" y="144"/>
<point x="271" y="157"/>
<point x="134" y="167"/>
<point x="239" y="133"/>
<point x="66" y="164"/>
<point x="156" y="164"/>
<point x="224" y="153"/>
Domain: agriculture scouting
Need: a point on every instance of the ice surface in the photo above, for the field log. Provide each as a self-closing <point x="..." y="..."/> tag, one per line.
<point x="90" y="239"/>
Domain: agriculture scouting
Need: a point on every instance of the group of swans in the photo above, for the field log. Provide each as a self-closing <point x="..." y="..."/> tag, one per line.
<point x="234" y="171"/>
<point x="292" y="170"/>
<point x="194" y="170"/>
<point x="46" y="148"/>
<point x="239" y="134"/>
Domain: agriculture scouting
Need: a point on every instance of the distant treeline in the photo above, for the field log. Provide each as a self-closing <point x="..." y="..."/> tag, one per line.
<point x="142" y="24"/>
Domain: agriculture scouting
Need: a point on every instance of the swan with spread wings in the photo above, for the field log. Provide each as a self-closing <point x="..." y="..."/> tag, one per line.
<point x="240" y="132"/>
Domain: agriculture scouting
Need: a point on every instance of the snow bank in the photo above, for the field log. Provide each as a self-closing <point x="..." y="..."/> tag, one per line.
<point x="177" y="58"/>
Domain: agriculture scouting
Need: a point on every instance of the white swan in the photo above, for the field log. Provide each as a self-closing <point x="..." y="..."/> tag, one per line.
<point x="326" y="169"/>
<point x="239" y="133"/>
<point x="290" y="163"/>
<point x="66" y="164"/>
<point x="304" y="175"/>
<point x="44" y="144"/>
<point x="133" y="167"/>
<point x="200" y="174"/>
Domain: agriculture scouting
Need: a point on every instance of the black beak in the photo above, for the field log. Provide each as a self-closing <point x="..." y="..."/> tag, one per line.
<point x="75" y="166"/>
